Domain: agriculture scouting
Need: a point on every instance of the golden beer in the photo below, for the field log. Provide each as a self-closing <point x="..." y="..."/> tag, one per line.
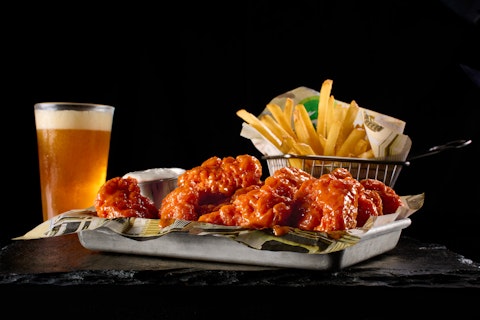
<point x="73" y="148"/>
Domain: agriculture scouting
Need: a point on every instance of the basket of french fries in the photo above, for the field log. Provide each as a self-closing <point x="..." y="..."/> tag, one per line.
<point x="315" y="132"/>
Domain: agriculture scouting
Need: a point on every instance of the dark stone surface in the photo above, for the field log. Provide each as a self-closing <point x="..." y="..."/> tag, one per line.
<point x="63" y="261"/>
<point x="412" y="276"/>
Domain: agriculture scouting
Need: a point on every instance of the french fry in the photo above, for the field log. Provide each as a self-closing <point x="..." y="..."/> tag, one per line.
<point x="332" y="138"/>
<point x="296" y="162"/>
<point x="323" y="140"/>
<point x="348" y="121"/>
<point x="301" y="149"/>
<point x="348" y="147"/>
<point x="278" y="131"/>
<point x="361" y="147"/>
<point x="323" y="98"/>
<point x="367" y="154"/>
<point x="259" y="126"/>
<point x="330" y="114"/>
<point x="281" y="118"/>
<point x="288" y="110"/>
<point x="339" y="112"/>
<point x="305" y="130"/>
<point x="351" y="115"/>
<point x="289" y="143"/>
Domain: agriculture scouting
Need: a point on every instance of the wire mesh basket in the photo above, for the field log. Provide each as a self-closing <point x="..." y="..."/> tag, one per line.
<point x="382" y="170"/>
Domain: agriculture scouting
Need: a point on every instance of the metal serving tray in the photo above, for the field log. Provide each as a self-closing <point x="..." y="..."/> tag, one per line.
<point x="221" y="249"/>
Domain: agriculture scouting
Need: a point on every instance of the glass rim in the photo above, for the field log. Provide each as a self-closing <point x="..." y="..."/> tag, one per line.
<point x="82" y="106"/>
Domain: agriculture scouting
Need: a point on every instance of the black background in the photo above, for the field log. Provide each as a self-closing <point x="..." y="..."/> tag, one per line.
<point x="177" y="76"/>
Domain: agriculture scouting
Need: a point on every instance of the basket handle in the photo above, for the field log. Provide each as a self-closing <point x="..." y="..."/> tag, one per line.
<point x="456" y="144"/>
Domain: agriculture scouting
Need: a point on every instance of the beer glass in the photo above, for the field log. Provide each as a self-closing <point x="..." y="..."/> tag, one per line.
<point x="73" y="148"/>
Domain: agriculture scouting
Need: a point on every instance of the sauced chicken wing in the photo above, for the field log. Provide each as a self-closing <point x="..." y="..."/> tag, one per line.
<point x="390" y="200"/>
<point x="329" y="203"/>
<point x="377" y="199"/>
<point x="291" y="197"/>
<point x="264" y="207"/>
<point x="211" y="185"/>
<point x="230" y="192"/>
<point x="369" y="204"/>
<point x="121" y="197"/>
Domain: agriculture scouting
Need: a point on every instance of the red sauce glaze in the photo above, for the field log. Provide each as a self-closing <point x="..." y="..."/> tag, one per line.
<point x="120" y="197"/>
<point x="230" y="192"/>
<point x="289" y="198"/>
<point x="211" y="185"/>
<point x="263" y="207"/>
<point x="369" y="204"/>
<point x="390" y="200"/>
<point x="329" y="203"/>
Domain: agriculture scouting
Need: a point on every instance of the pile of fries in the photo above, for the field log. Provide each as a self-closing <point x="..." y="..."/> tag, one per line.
<point x="333" y="133"/>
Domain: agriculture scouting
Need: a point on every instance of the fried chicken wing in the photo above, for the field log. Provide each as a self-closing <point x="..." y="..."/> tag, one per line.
<point x="211" y="185"/>
<point x="230" y="192"/>
<point x="291" y="197"/>
<point x="264" y="207"/>
<point x="377" y="199"/>
<point x="329" y="203"/>
<point x="121" y="197"/>
<point x="390" y="199"/>
<point x="369" y="204"/>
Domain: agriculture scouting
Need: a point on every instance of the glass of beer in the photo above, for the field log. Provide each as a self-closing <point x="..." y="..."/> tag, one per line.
<point x="73" y="148"/>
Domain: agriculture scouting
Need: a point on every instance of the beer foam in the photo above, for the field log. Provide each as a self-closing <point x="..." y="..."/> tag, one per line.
<point x="71" y="119"/>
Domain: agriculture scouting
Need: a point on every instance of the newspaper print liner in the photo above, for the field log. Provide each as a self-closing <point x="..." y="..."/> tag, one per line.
<point x="295" y="240"/>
